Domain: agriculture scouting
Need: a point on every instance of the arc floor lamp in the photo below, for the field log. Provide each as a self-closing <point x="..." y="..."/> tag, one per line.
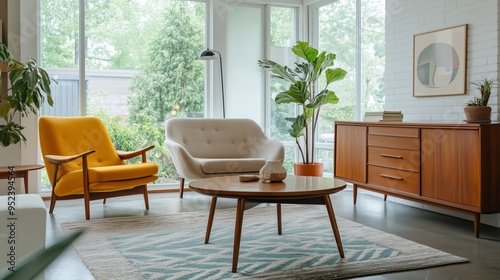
<point x="209" y="54"/>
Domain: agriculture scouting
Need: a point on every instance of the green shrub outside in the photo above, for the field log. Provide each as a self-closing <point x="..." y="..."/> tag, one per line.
<point x="132" y="136"/>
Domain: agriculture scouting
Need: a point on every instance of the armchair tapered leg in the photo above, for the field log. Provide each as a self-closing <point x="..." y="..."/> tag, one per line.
<point x="181" y="189"/>
<point x="52" y="202"/>
<point x="87" y="208"/>
<point x="53" y="198"/>
<point x="86" y="188"/>
<point x="146" y="197"/>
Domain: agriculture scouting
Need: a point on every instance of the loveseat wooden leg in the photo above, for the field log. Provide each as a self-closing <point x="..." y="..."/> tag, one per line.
<point x="181" y="189"/>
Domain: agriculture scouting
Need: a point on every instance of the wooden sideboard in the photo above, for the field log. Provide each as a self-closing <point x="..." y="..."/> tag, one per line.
<point x="454" y="166"/>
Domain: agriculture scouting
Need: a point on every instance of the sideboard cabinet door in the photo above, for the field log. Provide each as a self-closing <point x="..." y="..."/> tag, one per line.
<point x="350" y="152"/>
<point x="451" y="165"/>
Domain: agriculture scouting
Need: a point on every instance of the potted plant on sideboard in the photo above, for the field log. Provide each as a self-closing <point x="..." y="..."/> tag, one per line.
<point x="29" y="89"/>
<point x="303" y="91"/>
<point x="477" y="109"/>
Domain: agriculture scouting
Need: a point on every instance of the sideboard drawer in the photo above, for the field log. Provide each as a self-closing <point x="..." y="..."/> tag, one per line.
<point x="394" y="142"/>
<point x="394" y="131"/>
<point x="397" y="179"/>
<point x="394" y="158"/>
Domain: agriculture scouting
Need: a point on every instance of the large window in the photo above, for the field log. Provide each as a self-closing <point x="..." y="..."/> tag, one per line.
<point x="137" y="66"/>
<point x="283" y="34"/>
<point x="247" y="94"/>
<point x="354" y="31"/>
<point x="141" y="66"/>
<point x="244" y="47"/>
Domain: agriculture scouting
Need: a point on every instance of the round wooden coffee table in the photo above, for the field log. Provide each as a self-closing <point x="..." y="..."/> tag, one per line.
<point x="292" y="190"/>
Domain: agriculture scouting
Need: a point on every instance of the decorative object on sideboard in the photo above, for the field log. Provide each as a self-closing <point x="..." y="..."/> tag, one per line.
<point x="272" y="171"/>
<point x="383" y="116"/>
<point x="302" y="91"/>
<point x="29" y="90"/>
<point x="209" y="54"/>
<point x="477" y="109"/>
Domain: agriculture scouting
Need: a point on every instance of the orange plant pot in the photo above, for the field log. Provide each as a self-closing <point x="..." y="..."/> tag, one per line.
<point x="311" y="169"/>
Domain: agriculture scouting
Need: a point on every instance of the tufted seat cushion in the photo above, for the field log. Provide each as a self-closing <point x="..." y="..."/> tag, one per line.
<point x="231" y="165"/>
<point x="103" y="178"/>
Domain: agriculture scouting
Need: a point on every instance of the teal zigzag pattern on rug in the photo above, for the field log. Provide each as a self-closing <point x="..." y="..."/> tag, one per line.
<point x="262" y="250"/>
<point x="172" y="247"/>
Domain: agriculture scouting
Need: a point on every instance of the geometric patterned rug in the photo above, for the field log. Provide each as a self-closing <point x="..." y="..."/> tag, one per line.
<point x="172" y="247"/>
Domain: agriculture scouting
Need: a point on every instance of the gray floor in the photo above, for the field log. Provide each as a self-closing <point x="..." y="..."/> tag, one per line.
<point x="449" y="234"/>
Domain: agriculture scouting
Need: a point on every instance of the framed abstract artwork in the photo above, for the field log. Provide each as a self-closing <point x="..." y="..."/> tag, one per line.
<point x="440" y="62"/>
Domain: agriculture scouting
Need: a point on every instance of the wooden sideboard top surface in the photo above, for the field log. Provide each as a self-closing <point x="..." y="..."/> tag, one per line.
<point x="461" y="125"/>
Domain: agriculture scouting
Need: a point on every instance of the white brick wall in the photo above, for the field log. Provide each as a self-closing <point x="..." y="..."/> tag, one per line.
<point x="406" y="18"/>
<point x="409" y="17"/>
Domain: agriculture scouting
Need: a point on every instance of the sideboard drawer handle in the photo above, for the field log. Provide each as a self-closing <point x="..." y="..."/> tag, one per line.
<point x="391" y="177"/>
<point x="391" y="156"/>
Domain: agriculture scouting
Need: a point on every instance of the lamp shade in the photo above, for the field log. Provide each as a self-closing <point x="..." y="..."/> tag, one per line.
<point x="208" y="54"/>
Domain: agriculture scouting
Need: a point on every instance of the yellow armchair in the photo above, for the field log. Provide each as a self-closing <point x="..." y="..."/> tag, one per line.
<point x="82" y="162"/>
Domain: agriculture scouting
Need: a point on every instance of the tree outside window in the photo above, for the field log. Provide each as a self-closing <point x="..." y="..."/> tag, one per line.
<point x="141" y="66"/>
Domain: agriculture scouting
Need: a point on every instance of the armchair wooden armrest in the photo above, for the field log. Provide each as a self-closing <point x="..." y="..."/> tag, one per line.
<point x="128" y="155"/>
<point x="56" y="159"/>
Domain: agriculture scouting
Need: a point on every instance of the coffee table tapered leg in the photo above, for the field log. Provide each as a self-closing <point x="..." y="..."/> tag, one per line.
<point x="278" y="210"/>
<point x="210" y="218"/>
<point x="240" y="209"/>
<point x="336" y="232"/>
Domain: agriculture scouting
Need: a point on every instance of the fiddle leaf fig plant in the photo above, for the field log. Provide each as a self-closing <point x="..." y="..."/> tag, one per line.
<point x="303" y="80"/>
<point x="28" y="90"/>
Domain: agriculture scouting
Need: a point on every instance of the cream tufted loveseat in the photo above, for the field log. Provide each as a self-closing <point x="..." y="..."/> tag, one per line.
<point x="202" y="148"/>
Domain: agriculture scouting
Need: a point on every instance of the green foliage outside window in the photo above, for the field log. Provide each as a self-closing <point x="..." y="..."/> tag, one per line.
<point x="161" y="39"/>
<point x="172" y="83"/>
<point x="128" y="136"/>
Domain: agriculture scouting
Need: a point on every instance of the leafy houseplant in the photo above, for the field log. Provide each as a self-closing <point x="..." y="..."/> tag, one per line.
<point x="303" y="92"/>
<point x="484" y="86"/>
<point x="29" y="88"/>
<point x="477" y="109"/>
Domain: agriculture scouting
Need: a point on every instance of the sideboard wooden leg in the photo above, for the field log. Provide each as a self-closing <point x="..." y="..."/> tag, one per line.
<point x="354" y="193"/>
<point x="477" y="223"/>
